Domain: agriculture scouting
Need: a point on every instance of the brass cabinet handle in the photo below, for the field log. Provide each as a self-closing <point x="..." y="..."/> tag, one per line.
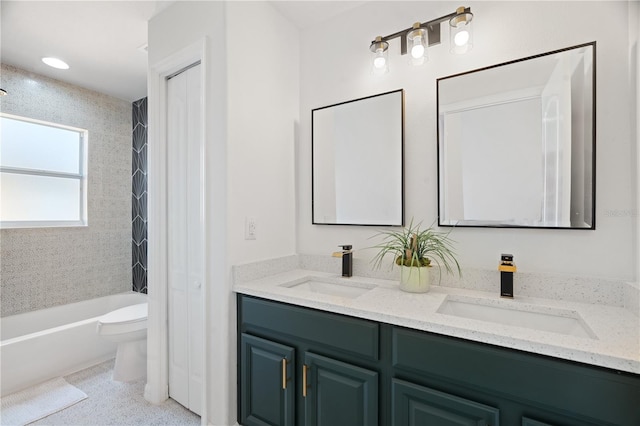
<point x="304" y="380"/>
<point x="284" y="373"/>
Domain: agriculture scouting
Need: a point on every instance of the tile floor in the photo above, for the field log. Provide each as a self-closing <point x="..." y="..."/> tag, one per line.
<point x="116" y="403"/>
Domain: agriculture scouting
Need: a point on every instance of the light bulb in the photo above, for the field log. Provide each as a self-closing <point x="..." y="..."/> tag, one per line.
<point x="379" y="62"/>
<point x="461" y="38"/>
<point x="417" y="51"/>
<point x="417" y="44"/>
<point x="461" y="31"/>
<point x="380" y="52"/>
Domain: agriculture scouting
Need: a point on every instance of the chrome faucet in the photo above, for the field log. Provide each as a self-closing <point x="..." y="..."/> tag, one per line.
<point x="347" y="260"/>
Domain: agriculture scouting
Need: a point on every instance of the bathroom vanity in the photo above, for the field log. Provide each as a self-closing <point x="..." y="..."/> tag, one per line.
<point x="303" y="366"/>
<point x="376" y="356"/>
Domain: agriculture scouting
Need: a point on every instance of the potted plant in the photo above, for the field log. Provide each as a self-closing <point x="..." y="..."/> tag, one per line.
<point x="415" y="250"/>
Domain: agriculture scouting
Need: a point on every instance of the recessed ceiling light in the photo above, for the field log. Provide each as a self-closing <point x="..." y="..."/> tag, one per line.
<point x="56" y="63"/>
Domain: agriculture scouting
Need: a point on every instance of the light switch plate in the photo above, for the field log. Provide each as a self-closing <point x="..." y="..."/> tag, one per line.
<point x="249" y="228"/>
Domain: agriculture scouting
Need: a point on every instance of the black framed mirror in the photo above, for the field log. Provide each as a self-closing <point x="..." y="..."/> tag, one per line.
<point x="357" y="161"/>
<point x="516" y="143"/>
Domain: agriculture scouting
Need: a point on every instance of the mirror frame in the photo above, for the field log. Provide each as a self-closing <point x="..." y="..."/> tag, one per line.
<point x="593" y="143"/>
<point x="402" y="185"/>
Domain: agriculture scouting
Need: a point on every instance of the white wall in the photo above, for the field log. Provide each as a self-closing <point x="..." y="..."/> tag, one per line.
<point x="335" y="68"/>
<point x="251" y="111"/>
<point x="263" y="87"/>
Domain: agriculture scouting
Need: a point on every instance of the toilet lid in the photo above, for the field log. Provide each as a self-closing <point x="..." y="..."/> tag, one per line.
<point x="132" y="313"/>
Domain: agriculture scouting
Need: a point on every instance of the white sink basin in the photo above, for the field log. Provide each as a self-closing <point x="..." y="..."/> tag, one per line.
<point x="330" y="286"/>
<point x="543" y="318"/>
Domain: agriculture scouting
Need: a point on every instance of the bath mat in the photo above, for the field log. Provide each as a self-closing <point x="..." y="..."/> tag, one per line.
<point x="39" y="401"/>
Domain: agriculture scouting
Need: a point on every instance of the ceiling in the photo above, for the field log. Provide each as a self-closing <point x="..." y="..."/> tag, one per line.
<point x="102" y="40"/>
<point x="306" y="14"/>
<point x="99" y="40"/>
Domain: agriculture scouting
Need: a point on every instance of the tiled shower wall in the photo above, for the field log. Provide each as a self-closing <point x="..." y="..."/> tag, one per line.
<point x="139" y="196"/>
<point x="44" y="267"/>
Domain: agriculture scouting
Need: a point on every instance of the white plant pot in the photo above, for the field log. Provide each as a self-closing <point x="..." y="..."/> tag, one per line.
<point x="414" y="279"/>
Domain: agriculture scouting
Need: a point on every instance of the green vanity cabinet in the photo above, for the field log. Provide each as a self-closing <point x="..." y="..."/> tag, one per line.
<point x="300" y="366"/>
<point x="346" y="371"/>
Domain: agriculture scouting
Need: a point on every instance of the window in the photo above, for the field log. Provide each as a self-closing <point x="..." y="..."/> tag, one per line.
<point x="43" y="174"/>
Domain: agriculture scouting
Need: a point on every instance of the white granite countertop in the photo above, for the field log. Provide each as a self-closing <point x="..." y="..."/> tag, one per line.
<point x="615" y="342"/>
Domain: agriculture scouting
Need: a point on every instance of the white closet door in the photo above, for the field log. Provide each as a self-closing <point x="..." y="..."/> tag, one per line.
<point x="185" y="238"/>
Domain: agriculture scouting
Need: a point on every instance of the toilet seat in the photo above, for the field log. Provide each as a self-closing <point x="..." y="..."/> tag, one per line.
<point x="124" y="320"/>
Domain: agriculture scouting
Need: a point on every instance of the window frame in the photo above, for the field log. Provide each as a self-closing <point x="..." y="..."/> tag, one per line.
<point x="81" y="177"/>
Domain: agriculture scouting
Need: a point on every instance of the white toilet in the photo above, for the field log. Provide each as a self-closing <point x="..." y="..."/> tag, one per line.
<point x="128" y="328"/>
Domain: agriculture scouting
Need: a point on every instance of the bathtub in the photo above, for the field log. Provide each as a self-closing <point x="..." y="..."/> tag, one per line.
<point x="40" y="345"/>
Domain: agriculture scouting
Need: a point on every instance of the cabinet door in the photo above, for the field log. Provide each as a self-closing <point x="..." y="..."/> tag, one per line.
<point x="338" y="394"/>
<point x="267" y="383"/>
<point x="414" y="405"/>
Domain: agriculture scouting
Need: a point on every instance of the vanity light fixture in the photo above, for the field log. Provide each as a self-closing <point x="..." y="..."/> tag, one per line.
<point x="420" y="36"/>
<point x="56" y="63"/>
<point x="3" y="92"/>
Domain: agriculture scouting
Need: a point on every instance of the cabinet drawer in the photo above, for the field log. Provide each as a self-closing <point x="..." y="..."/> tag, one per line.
<point x="352" y="335"/>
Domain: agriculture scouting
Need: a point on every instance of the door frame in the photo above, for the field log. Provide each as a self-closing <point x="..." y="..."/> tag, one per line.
<point x="157" y="386"/>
